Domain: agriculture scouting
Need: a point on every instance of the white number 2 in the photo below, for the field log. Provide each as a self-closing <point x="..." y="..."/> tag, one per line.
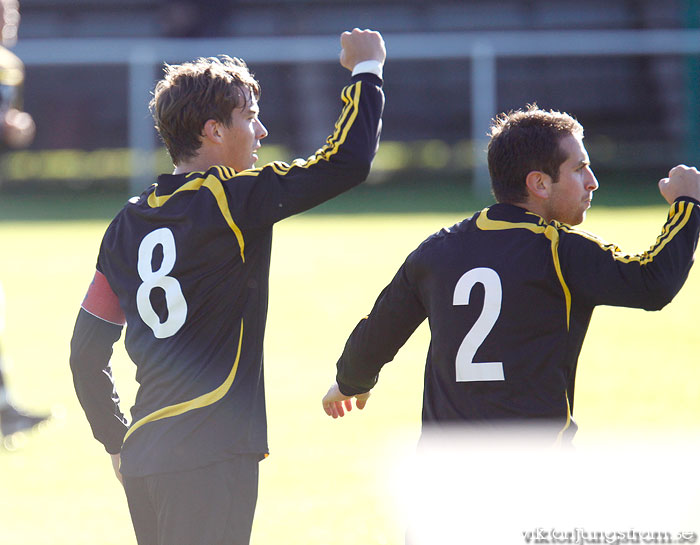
<point x="174" y="300"/>
<point x="467" y="369"/>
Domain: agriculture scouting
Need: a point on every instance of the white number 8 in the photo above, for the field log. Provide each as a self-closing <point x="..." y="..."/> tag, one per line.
<point x="174" y="300"/>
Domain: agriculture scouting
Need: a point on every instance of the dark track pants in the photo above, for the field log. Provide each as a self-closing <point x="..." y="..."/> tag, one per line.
<point x="212" y="505"/>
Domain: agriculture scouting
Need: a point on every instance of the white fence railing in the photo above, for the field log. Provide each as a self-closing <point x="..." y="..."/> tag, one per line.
<point x="482" y="49"/>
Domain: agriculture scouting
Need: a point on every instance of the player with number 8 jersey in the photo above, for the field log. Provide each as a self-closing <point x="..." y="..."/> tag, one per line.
<point x="188" y="263"/>
<point x="186" y="266"/>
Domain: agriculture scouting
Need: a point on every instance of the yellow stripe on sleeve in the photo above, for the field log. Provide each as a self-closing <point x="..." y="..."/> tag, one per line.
<point x="678" y="216"/>
<point x="350" y="96"/>
<point x="346" y="121"/>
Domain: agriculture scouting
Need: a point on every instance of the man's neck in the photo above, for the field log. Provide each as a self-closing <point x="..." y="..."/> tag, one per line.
<point x="202" y="162"/>
<point x="191" y="166"/>
<point x="534" y="208"/>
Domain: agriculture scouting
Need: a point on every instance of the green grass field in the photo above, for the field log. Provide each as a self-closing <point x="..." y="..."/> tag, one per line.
<point x="326" y="481"/>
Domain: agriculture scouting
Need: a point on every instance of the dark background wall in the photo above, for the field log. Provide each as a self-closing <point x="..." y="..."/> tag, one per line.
<point x="637" y="110"/>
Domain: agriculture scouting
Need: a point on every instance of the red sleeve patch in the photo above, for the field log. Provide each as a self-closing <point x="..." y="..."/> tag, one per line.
<point x="102" y="302"/>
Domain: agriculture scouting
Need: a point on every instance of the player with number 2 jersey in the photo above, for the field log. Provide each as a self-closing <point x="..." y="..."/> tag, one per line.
<point x="509" y="293"/>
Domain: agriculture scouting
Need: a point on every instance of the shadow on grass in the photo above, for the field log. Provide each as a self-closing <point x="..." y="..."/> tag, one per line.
<point x="410" y="196"/>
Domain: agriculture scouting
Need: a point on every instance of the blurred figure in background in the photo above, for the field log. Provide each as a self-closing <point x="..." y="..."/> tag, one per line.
<point x="16" y="131"/>
<point x="12" y="420"/>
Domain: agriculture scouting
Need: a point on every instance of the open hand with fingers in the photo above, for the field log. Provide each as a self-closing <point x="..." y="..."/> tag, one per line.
<point x="335" y="403"/>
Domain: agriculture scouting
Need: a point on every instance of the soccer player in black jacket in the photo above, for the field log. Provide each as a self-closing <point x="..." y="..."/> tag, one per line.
<point x="186" y="267"/>
<point x="509" y="293"/>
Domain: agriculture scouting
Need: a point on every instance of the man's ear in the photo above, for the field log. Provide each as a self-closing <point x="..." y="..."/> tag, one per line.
<point x="538" y="184"/>
<point x="211" y="131"/>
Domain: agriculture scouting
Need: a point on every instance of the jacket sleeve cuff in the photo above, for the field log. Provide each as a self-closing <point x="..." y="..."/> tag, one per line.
<point x="348" y="390"/>
<point x="691" y="199"/>
<point x="371" y="66"/>
<point x="369" y="78"/>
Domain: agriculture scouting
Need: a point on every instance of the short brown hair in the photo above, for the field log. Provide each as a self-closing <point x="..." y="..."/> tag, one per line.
<point x="192" y="93"/>
<point x="523" y="141"/>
